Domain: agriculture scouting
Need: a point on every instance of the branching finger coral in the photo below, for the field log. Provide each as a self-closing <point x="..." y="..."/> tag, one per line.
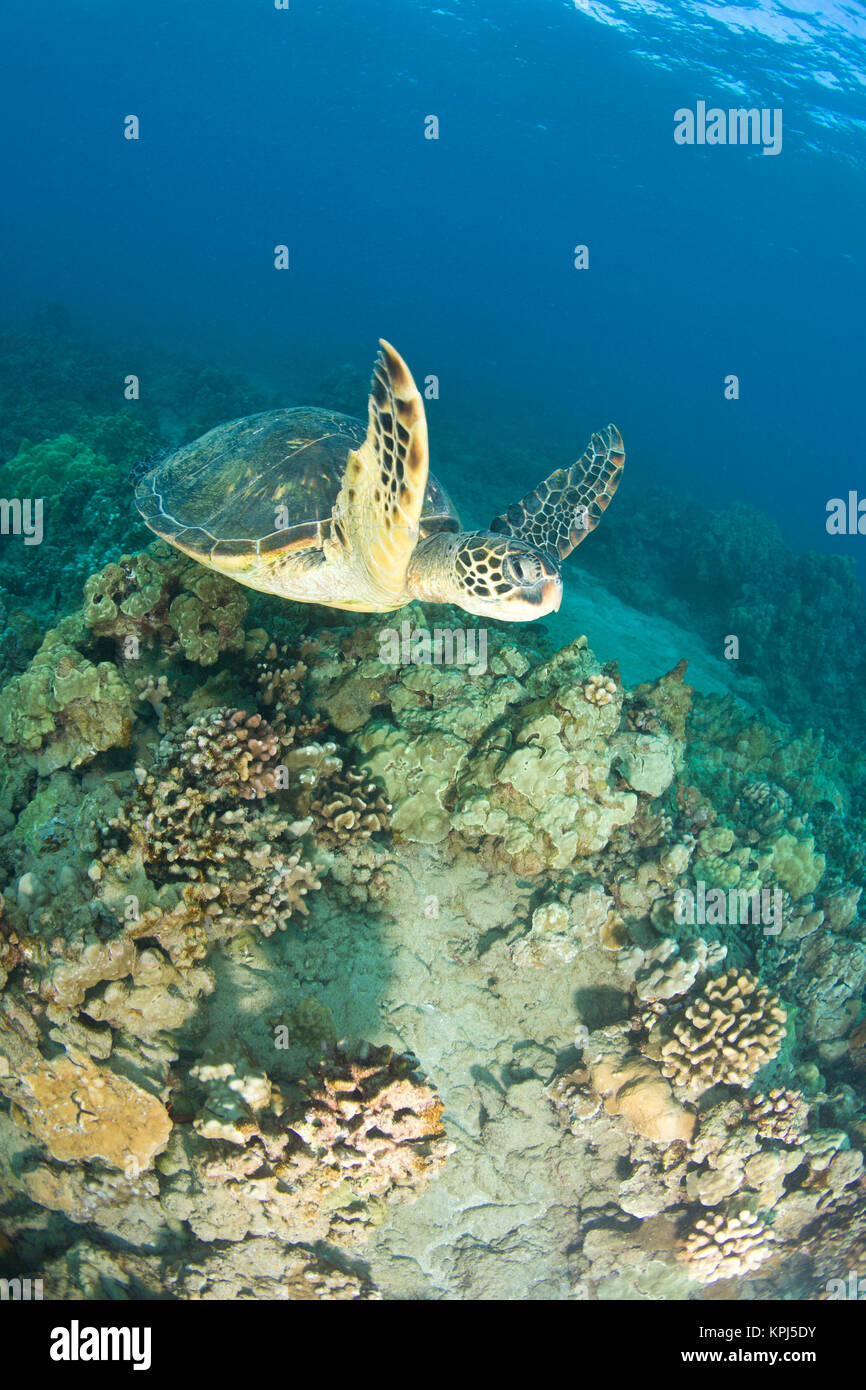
<point x="370" y="1117"/>
<point x="348" y="806"/>
<point x="725" y="1035"/>
<point x="367" y="1131"/>
<point x="212" y="816"/>
<point x="780" y="1114"/>
<point x="723" y="1247"/>
<point x="279" y="684"/>
<point x="599" y="690"/>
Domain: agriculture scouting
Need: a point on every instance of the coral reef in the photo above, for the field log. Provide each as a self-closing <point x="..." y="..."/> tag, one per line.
<point x="56" y="378"/>
<point x="524" y="768"/>
<point x="730" y="572"/>
<point x="232" y="835"/>
<point x="261" y="1269"/>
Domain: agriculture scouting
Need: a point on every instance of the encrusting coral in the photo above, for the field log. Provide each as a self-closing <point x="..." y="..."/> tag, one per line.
<point x="82" y="1111"/>
<point x="65" y="708"/>
<point x="632" y="1086"/>
<point x="160" y="597"/>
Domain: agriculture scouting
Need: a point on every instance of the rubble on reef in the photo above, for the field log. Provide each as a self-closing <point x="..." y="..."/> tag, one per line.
<point x="232" y="852"/>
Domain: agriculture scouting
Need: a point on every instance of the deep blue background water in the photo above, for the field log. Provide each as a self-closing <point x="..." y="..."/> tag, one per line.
<point x="306" y="127"/>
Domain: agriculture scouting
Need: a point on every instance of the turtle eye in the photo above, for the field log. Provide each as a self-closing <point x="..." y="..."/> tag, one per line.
<point x="522" y="569"/>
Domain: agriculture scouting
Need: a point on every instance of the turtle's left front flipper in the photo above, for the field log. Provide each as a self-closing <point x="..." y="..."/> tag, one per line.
<point x="560" y="513"/>
<point x="378" y="509"/>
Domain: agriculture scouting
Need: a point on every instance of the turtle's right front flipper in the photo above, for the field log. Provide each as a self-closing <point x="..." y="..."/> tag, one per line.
<point x="560" y="513"/>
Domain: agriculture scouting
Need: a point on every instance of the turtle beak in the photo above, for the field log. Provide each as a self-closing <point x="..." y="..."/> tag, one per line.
<point x="551" y="594"/>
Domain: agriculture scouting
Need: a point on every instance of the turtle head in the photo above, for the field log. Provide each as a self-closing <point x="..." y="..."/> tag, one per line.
<point x="490" y="575"/>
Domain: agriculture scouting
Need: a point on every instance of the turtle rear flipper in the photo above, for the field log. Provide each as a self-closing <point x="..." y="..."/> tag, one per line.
<point x="378" y="510"/>
<point x="560" y="513"/>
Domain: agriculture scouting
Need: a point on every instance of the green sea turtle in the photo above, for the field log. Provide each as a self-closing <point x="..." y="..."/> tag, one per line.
<point x="317" y="507"/>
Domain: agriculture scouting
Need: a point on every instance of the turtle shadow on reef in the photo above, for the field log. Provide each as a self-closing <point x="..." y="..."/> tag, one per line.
<point x="601" y="1005"/>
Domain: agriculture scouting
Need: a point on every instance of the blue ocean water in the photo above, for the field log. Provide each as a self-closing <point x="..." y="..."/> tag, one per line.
<point x="306" y="126"/>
